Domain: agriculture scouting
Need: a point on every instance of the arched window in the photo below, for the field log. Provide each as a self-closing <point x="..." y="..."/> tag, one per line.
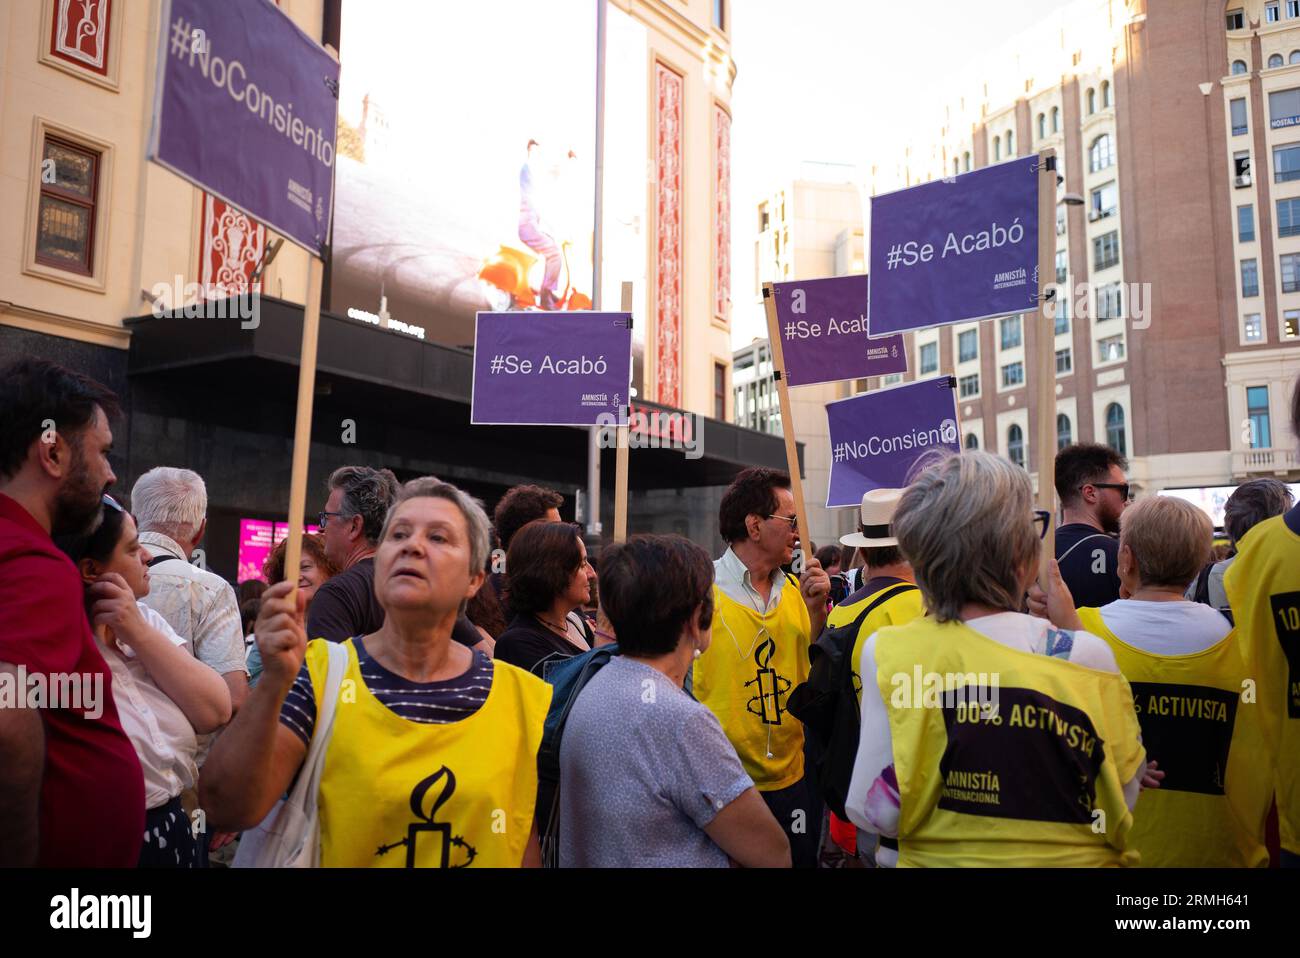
<point x="1056" y="119"/>
<point x="1042" y="125"/>
<point x="1011" y="144"/>
<point x="1092" y="101"/>
<point x="1295" y="57"/>
<point x="1064" y="436"/>
<point x="1116" y="435"/>
<point x="1275" y="61"/>
<point x="955" y="170"/>
<point x="1101" y="154"/>
<point x="997" y="148"/>
<point x="1016" y="445"/>
<point x="1105" y="94"/>
<point x="972" y="441"/>
<point x="965" y="160"/>
<point x="1239" y="66"/>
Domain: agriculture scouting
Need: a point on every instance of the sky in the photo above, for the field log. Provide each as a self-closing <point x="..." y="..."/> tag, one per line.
<point x="843" y="81"/>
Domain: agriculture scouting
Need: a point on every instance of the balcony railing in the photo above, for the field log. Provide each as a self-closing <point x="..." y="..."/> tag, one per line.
<point x="1276" y="460"/>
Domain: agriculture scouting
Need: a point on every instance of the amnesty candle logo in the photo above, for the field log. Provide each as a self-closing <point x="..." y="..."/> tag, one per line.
<point x="772" y="687"/>
<point x="430" y="831"/>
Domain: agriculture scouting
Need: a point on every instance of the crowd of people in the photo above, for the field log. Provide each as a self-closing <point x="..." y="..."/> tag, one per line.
<point x="453" y="689"/>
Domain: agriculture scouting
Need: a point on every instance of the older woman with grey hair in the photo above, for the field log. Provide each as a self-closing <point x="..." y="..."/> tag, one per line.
<point x="432" y="753"/>
<point x="989" y="737"/>
<point x="1250" y="504"/>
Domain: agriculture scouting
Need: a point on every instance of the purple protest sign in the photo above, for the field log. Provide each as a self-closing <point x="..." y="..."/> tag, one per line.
<point x="551" y="369"/>
<point x="246" y="107"/>
<point x="824" y="339"/>
<point x="877" y="437"/>
<point x="957" y="249"/>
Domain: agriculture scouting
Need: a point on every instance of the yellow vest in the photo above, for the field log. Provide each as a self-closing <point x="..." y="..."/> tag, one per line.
<point x="1209" y="811"/>
<point x="1263" y="586"/>
<point x="750" y="666"/>
<point x="1034" y="779"/>
<point x="396" y="793"/>
<point x="899" y="610"/>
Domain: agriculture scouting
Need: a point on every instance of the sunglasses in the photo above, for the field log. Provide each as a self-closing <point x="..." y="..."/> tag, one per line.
<point x="111" y="502"/>
<point x="1121" y="486"/>
<point x="324" y="517"/>
<point x="793" y="520"/>
<point x="1043" y="520"/>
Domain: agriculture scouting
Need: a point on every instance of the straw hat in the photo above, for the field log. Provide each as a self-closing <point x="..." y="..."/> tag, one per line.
<point x="875" y="518"/>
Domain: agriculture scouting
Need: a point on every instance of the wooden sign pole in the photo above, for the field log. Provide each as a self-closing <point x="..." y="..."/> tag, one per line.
<point x="620" y="458"/>
<point x="1046" y="371"/>
<point x="787" y="420"/>
<point x="302" y="423"/>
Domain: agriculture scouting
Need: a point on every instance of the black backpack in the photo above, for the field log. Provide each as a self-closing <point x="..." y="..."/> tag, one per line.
<point x="827" y="704"/>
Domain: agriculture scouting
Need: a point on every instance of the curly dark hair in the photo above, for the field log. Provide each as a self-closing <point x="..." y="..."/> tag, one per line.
<point x="542" y="558"/>
<point x="312" y="545"/>
<point x="520" y="506"/>
<point x="367" y="493"/>
<point x="650" y="586"/>
<point x="33" y="391"/>
<point x="750" y="493"/>
<point x="1082" y="463"/>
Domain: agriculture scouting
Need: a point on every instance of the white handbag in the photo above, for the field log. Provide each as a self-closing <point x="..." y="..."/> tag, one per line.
<point x="289" y="836"/>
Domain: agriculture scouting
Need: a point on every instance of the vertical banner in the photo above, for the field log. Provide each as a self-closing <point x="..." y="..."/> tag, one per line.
<point x="551" y="369"/>
<point x="954" y="250"/>
<point x="246" y="107"/>
<point x="824" y="337"/>
<point x="877" y="437"/>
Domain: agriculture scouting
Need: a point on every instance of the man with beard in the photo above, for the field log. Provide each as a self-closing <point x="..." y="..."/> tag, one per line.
<point x="1093" y="490"/>
<point x="71" y="790"/>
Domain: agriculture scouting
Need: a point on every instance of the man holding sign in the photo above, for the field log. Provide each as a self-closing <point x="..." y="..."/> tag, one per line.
<point x="763" y="623"/>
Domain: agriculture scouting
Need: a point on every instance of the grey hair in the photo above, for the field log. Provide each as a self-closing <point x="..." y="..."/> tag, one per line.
<point x="171" y="501"/>
<point x="368" y="493"/>
<point x="966" y="525"/>
<point x="1251" y="503"/>
<point x="476" y="520"/>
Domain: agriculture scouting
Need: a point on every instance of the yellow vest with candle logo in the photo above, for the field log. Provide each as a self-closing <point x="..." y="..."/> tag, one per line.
<point x="1025" y="767"/>
<point x="1263" y="586"/>
<point x="1210" y="809"/>
<point x="750" y="666"/>
<point x="396" y="793"/>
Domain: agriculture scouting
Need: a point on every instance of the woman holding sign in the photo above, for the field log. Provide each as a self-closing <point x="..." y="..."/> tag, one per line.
<point x="988" y="737"/>
<point x="432" y="755"/>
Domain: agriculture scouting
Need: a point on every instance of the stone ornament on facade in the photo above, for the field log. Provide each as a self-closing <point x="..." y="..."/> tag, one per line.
<point x="232" y="246"/>
<point x="668" y="239"/>
<point x="79" y="33"/>
<point x="722" y="226"/>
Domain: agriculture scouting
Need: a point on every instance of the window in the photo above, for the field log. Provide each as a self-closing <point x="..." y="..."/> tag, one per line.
<point x="1241" y="167"/>
<point x="997" y="148"/>
<point x="1011" y="144"/>
<point x="1060" y="221"/>
<point x="1236" y="19"/>
<point x="972" y="441"/>
<point x="968" y="345"/>
<point x="1092" y="101"/>
<point x="1042" y="125"/>
<point x="720" y="392"/>
<point x="929" y="357"/>
<point x="1254" y="328"/>
<point x="720" y="15"/>
<point x="1062" y="316"/>
<point x="65" y="233"/>
<point x="1291" y="273"/>
<point x="1249" y="277"/>
<point x="1115" y="432"/>
<point x="1292" y="9"/>
<point x="1064" y="361"/>
<point x="1257" y="410"/>
<point x="1013" y="374"/>
<point x="1110" y="349"/>
<point x="1105" y="94"/>
<point x="956" y="168"/>
<point x="1101" y="154"/>
<point x="1105" y="199"/>
<point x="1056" y="114"/>
<point x="1011" y="333"/>
<point x="1064" y="435"/>
<point x="1275" y="61"/>
<point x="1105" y="250"/>
<point x="1246" y="224"/>
<point x="968" y="386"/>
<point x="965" y="157"/>
<point x="1062" y="266"/>
<point x="1286" y="163"/>
<point x="1238" y="67"/>
<point x="1284" y="108"/>
<point x="763" y="217"/>
<point x="1110" y="302"/>
<point x="1272" y="11"/>
<point x="1288" y="217"/>
<point x="1237" y="110"/>
<point x="1294" y="57"/>
<point x="1291" y="324"/>
<point x="1016" y="445"/>
<point x="892" y="379"/>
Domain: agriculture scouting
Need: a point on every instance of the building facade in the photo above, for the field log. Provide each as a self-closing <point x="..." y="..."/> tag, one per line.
<point x="1177" y="327"/>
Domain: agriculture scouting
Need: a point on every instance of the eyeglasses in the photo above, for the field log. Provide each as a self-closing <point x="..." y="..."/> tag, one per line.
<point x="793" y="520"/>
<point x="110" y="501"/>
<point x="324" y="517"/>
<point x="1042" y="519"/>
<point x="1121" y="486"/>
